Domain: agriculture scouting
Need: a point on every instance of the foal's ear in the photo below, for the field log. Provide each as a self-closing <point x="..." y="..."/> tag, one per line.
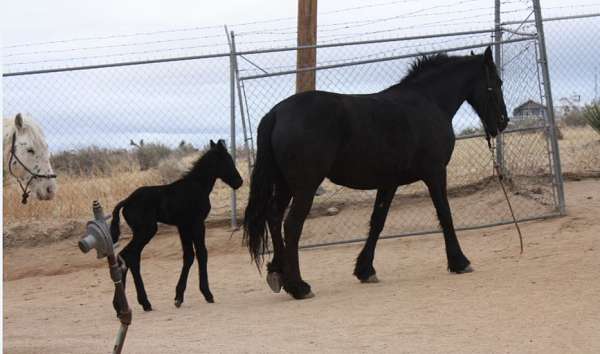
<point x="472" y="53"/>
<point x="221" y="144"/>
<point x="487" y="56"/>
<point x="19" y="121"/>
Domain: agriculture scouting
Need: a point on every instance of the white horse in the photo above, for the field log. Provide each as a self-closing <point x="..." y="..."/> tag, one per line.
<point x="26" y="157"/>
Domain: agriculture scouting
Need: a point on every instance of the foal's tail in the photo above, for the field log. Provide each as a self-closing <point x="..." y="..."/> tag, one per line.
<point x="115" y="230"/>
<point x="261" y="191"/>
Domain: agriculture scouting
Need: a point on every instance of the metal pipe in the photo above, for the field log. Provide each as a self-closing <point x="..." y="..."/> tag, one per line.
<point x="498" y="60"/>
<point x="550" y="106"/>
<point x="377" y="60"/>
<point x="247" y="52"/>
<point x="428" y="232"/>
<point x="232" y="142"/>
<point x="239" y="90"/>
<point x="550" y="19"/>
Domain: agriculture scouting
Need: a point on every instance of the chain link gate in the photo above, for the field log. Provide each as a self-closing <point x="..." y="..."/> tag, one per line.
<point x="341" y="215"/>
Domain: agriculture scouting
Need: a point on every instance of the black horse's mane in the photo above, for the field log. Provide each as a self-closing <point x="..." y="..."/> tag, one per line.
<point x="427" y="63"/>
<point x="200" y="166"/>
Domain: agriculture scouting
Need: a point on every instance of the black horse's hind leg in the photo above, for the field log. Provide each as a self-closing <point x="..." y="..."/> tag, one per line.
<point x="436" y="183"/>
<point x="131" y="254"/>
<point x="363" y="269"/>
<point x="281" y="199"/>
<point x="293" y="283"/>
<point x="202" y="255"/>
<point x="188" y="259"/>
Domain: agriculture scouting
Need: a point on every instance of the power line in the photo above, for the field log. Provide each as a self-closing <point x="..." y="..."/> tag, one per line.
<point x="195" y="28"/>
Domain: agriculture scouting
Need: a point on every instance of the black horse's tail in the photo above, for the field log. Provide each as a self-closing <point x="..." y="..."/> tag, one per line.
<point x="115" y="230"/>
<point x="261" y="191"/>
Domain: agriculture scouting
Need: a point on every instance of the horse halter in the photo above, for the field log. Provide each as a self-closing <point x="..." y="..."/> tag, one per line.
<point x="34" y="175"/>
<point x="490" y="99"/>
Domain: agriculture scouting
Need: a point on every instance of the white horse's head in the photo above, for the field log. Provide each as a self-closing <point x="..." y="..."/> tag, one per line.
<point x="26" y="150"/>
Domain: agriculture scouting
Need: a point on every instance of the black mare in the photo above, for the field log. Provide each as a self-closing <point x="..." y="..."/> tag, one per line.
<point x="184" y="203"/>
<point x="398" y="136"/>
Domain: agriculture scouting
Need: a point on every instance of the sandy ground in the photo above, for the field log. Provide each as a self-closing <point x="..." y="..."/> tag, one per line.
<point x="57" y="300"/>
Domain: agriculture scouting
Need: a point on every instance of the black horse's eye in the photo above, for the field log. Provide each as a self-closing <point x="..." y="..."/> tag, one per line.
<point x="31" y="151"/>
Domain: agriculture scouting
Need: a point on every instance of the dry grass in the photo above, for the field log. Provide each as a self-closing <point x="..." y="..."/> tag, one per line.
<point x="526" y="155"/>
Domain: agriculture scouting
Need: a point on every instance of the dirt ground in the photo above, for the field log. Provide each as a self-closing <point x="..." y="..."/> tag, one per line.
<point x="547" y="300"/>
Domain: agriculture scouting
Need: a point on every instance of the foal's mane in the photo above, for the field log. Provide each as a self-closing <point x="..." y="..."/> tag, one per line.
<point x="202" y="164"/>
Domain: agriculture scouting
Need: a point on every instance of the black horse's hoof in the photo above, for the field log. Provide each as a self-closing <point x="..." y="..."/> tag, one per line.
<point x="275" y="282"/>
<point x="310" y="295"/>
<point x="299" y="291"/>
<point x="178" y="303"/>
<point x="459" y="264"/>
<point x="210" y="300"/>
<point x="370" y="280"/>
<point x="467" y="269"/>
<point x="147" y="308"/>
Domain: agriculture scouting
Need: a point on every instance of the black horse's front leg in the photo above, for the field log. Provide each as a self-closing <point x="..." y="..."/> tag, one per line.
<point x="363" y="269"/>
<point x="202" y="256"/>
<point x="188" y="260"/>
<point x="436" y="183"/>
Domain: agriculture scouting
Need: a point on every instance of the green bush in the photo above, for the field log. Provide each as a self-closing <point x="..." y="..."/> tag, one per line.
<point x="91" y="161"/>
<point x="591" y="114"/>
<point x="149" y="155"/>
<point x="470" y="131"/>
<point x="574" y="118"/>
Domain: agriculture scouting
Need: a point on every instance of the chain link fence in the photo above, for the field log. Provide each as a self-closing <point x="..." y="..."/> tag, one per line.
<point x="115" y="127"/>
<point x="342" y="214"/>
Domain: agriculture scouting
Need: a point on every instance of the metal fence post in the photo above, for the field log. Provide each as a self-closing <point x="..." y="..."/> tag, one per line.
<point x="498" y="60"/>
<point x="232" y="143"/>
<point x="557" y="170"/>
<point x="239" y="90"/>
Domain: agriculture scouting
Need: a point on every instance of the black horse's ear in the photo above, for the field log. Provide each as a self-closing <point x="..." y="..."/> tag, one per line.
<point x="487" y="55"/>
<point x="472" y="53"/>
<point x="221" y="144"/>
<point x="19" y="121"/>
<point x="212" y="144"/>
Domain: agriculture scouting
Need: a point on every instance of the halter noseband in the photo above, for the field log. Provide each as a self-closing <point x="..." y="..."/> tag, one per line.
<point x="34" y="175"/>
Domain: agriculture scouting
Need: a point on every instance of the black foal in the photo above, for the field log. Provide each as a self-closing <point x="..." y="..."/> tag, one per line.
<point x="184" y="203"/>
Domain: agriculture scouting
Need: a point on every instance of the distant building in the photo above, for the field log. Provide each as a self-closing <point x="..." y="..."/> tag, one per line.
<point x="527" y="110"/>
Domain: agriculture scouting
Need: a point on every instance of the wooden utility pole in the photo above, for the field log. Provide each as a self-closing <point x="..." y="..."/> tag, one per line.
<point x="307" y="35"/>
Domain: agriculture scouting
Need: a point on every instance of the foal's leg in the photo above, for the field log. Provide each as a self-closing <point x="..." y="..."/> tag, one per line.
<point x="141" y="237"/>
<point x="281" y="199"/>
<point x="293" y="283"/>
<point x="202" y="255"/>
<point x="188" y="259"/>
<point x="436" y="183"/>
<point x="363" y="269"/>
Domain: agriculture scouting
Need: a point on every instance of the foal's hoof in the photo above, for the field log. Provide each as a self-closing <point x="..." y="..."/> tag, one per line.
<point x="274" y="281"/>
<point x="467" y="269"/>
<point x="371" y="279"/>
<point x="147" y="308"/>
<point x="178" y="303"/>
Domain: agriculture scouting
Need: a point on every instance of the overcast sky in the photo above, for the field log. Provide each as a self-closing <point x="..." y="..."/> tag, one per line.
<point x="187" y="99"/>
